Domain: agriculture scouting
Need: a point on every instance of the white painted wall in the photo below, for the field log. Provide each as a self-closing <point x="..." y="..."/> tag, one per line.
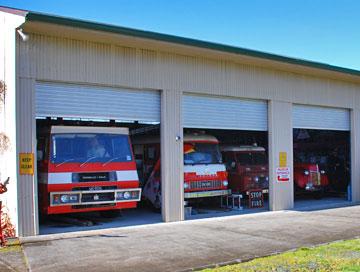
<point x="8" y="161"/>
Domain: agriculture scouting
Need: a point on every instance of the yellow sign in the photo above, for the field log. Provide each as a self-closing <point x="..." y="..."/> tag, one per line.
<point x="26" y="163"/>
<point x="282" y="159"/>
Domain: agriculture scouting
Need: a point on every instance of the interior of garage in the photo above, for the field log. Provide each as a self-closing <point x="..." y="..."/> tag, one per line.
<point x="244" y="156"/>
<point x="142" y="214"/>
<point x="328" y="153"/>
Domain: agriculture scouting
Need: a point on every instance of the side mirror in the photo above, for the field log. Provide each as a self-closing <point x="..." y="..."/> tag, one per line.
<point x="40" y="155"/>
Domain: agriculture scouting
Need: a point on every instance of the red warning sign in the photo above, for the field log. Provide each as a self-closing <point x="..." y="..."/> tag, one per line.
<point x="283" y="174"/>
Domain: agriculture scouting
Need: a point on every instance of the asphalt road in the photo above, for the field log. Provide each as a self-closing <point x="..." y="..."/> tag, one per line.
<point x="190" y="244"/>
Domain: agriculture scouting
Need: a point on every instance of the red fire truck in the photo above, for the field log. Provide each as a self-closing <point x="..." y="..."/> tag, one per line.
<point x="308" y="177"/>
<point x="204" y="173"/>
<point x="83" y="169"/>
<point x="247" y="166"/>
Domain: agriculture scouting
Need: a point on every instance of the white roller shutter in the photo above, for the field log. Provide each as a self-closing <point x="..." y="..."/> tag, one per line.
<point x="79" y="101"/>
<point x="224" y="113"/>
<point x="313" y="117"/>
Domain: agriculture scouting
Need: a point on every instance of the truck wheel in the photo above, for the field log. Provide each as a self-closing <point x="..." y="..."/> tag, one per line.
<point x="110" y="213"/>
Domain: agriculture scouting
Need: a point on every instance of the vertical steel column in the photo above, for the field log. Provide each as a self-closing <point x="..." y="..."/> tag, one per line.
<point x="281" y="195"/>
<point x="172" y="176"/>
<point x="26" y="143"/>
<point x="355" y="155"/>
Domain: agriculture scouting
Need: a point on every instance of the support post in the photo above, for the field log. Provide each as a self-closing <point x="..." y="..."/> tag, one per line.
<point x="355" y="155"/>
<point x="172" y="176"/>
<point x="281" y="194"/>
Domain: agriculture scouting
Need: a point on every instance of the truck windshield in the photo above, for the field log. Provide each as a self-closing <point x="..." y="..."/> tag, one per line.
<point x="201" y="153"/>
<point x="251" y="158"/>
<point x="90" y="147"/>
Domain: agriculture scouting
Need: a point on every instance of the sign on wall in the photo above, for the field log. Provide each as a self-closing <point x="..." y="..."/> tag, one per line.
<point x="256" y="199"/>
<point x="282" y="159"/>
<point x="283" y="174"/>
<point x="26" y="161"/>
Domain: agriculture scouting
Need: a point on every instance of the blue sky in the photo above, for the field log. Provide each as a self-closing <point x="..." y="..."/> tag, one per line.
<point x="320" y="30"/>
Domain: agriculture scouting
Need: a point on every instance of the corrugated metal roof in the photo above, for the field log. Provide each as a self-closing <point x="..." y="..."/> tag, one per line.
<point x="46" y="18"/>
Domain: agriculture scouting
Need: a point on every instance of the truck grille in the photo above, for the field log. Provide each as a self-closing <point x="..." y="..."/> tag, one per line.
<point x="206" y="184"/>
<point x="315" y="178"/>
<point x="98" y="197"/>
<point x="263" y="183"/>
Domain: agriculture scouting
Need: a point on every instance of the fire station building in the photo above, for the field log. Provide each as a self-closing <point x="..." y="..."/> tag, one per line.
<point x="62" y="68"/>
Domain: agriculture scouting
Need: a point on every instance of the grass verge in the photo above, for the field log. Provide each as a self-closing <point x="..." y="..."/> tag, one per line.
<point x="337" y="256"/>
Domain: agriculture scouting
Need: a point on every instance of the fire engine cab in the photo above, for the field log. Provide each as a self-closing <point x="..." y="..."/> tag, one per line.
<point x="247" y="167"/>
<point x="83" y="169"/>
<point x="204" y="173"/>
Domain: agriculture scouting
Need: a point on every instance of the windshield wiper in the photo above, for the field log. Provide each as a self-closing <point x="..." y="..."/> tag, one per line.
<point x="89" y="159"/>
<point x="105" y="163"/>
<point x="65" y="161"/>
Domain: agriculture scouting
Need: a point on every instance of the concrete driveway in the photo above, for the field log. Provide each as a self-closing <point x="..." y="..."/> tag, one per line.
<point x="190" y="244"/>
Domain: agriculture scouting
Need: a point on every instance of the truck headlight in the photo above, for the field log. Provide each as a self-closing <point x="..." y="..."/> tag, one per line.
<point x="306" y="173"/>
<point x="186" y="185"/>
<point x="256" y="179"/>
<point x="64" y="198"/>
<point x="309" y="186"/>
<point x="127" y="195"/>
<point x="225" y="183"/>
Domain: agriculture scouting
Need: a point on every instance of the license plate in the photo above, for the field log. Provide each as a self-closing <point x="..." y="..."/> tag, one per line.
<point x="95" y="188"/>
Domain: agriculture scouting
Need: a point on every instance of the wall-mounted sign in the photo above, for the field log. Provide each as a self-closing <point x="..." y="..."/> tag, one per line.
<point x="26" y="161"/>
<point x="256" y="199"/>
<point x="283" y="174"/>
<point x="282" y="159"/>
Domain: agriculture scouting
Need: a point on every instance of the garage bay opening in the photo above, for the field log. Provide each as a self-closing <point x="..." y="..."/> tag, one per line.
<point x="225" y="156"/>
<point x="90" y="175"/>
<point x="321" y="138"/>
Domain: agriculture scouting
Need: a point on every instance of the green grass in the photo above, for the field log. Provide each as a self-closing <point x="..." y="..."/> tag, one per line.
<point x="12" y="245"/>
<point x="338" y="256"/>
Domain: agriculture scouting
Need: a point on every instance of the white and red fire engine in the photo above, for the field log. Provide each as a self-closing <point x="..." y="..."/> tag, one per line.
<point x="85" y="169"/>
<point x="204" y="173"/>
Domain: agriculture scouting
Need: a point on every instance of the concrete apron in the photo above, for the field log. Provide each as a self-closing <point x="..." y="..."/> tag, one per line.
<point x="190" y="244"/>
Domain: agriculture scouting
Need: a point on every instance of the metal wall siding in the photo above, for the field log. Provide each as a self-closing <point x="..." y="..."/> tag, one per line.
<point x="25" y="131"/>
<point x="311" y="117"/>
<point x="67" y="100"/>
<point x="224" y="113"/>
<point x="69" y="60"/>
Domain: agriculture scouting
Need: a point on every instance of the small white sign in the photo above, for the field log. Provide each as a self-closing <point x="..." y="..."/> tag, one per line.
<point x="283" y="174"/>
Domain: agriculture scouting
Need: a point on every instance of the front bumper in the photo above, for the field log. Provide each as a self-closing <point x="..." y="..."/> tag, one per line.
<point x="95" y="197"/>
<point x="207" y="194"/>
